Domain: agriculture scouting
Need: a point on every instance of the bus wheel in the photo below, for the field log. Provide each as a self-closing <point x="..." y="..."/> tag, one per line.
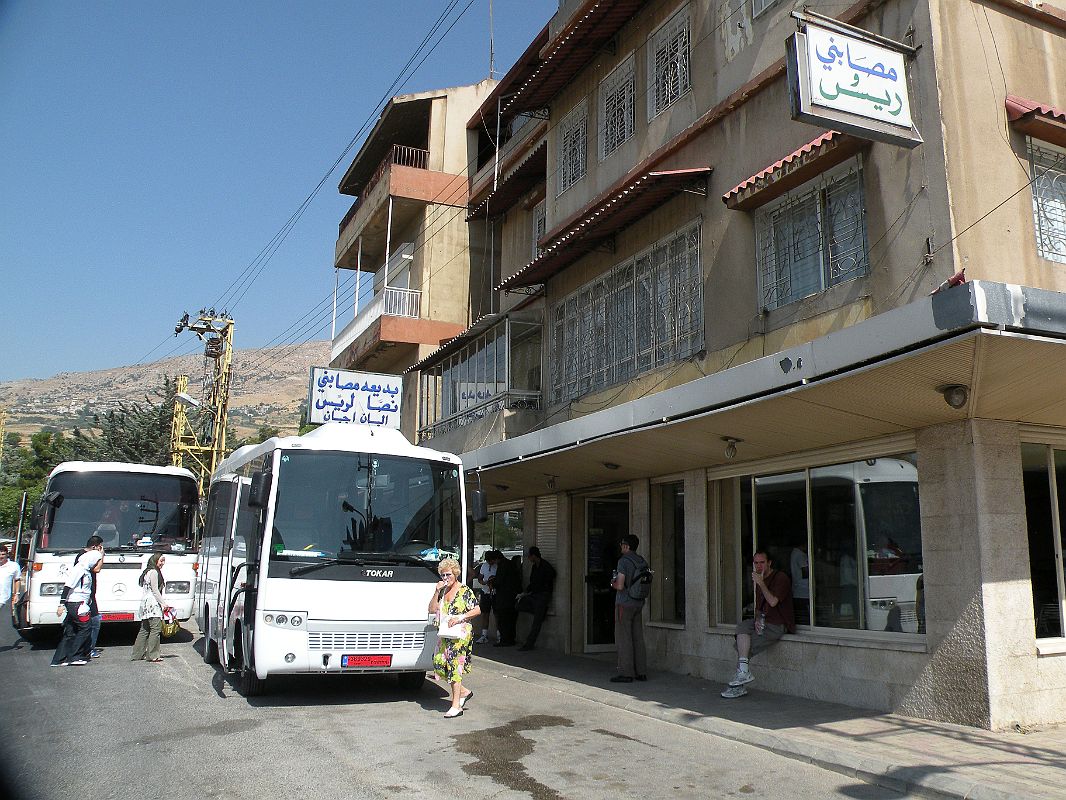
<point x="411" y="681"/>
<point x="210" y="645"/>
<point x="251" y="684"/>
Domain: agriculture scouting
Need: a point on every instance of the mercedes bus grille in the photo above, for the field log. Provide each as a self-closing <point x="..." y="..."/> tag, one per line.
<point x="369" y="642"/>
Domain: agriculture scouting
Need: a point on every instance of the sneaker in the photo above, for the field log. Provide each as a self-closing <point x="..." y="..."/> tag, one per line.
<point x="78" y="662"/>
<point x="96" y="652"/>
<point x="60" y="664"/>
<point x="735" y="691"/>
<point x="483" y="639"/>
<point x="621" y="679"/>
<point x="743" y="676"/>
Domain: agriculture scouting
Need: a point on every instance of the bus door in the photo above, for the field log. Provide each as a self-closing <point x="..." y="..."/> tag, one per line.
<point x="211" y="590"/>
<point x="241" y="562"/>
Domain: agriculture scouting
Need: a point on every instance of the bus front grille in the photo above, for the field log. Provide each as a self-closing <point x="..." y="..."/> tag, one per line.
<point x="368" y="642"/>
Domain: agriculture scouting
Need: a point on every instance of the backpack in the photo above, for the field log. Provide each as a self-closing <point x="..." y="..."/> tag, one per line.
<point x="640" y="587"/>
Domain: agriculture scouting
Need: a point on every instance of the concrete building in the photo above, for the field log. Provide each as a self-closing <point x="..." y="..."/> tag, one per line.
<point x="714" y="328"/>
<point x="406" y="237"/>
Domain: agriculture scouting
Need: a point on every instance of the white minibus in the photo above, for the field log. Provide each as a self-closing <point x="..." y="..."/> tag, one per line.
<point x="137" y="509"/>
<point x="320" y="554"/>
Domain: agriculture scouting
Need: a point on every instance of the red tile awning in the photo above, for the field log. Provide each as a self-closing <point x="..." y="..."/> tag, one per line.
<point x="603" y="219"/>
<point x="1038" y="120"/>
<point x="795" y="169"/>
<point x="514" y="184"/>
<point x="591" y="27"/>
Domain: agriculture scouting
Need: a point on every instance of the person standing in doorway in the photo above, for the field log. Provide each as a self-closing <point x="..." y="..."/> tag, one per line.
<point x="539" y="594"/>
<point x="773" y="618"/>
<point x="628" y="615"/>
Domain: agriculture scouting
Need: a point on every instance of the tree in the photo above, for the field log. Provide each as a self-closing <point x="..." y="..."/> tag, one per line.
<point x="134" y="433"/>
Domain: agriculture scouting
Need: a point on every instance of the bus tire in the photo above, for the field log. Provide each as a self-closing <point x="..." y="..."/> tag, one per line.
<point x="210" y="645"/>
<point x="411" y="681"/>
<point x="251" y="684"/>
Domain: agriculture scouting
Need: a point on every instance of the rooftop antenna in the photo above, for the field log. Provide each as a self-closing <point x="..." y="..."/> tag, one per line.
<point x="492" y="49"/>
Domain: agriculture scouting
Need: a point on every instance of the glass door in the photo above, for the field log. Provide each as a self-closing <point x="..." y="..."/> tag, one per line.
<point x="606" y="522"/>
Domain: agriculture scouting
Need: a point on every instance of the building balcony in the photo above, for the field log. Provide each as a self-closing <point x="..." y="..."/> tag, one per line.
<point x="398" y="191"/>
<point x="387" y="333"/>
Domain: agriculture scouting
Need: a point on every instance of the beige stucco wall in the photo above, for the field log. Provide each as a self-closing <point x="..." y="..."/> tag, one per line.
<point x="983" y="53"/>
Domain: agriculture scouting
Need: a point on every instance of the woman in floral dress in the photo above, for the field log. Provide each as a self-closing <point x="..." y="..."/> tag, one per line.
<point x="454" y="603"/>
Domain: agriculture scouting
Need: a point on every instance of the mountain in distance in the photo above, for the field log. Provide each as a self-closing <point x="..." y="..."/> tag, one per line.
<point x="267" y="388"/>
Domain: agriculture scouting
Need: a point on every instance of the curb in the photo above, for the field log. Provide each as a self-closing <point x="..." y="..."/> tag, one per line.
<point x="872" y="770"/>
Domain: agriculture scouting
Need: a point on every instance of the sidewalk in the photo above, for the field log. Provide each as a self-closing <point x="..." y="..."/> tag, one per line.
<point x="930" y="759"/>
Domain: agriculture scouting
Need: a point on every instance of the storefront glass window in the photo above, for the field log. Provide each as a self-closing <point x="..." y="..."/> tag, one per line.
<point x="501" y="531"/>
<point x="668" y="553"/>
<point x="849" y="536"/>
<point x="1042" y="517"/>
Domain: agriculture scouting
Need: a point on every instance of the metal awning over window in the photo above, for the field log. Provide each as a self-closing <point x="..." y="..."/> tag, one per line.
<point x="514" y="184"/>
<point x="795" y="169"/>
<point x="482" y="324"/>
<point x="590" y="28"/>
<point x="611" y="213"/>
<point x="1038" y="120"/>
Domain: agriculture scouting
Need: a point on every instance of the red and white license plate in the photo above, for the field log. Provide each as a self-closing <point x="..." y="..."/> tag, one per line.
<point x="366" y="661"/>
<point x="116" y="616"/>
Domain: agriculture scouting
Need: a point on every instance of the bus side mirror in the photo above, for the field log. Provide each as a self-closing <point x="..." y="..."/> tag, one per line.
<point x="259" y="491"/>
<point x="478" y="510"/>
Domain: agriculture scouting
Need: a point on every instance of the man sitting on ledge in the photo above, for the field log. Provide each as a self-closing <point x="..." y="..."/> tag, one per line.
<point x="773" y="617"/>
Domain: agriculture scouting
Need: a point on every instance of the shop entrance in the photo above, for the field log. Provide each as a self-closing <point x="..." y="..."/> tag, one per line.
<point x="606" y="522"/>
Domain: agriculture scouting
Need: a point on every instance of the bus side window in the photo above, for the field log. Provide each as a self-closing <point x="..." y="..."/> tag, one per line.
<point x="216" y="526"/>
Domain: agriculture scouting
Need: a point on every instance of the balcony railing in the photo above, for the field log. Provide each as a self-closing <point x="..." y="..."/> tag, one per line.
<point x="511" y="399"/>
<point x="391" y="302"/>
<point x="398" y="154"/>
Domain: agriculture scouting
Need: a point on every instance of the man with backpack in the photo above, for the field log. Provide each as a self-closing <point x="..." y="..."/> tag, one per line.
<point x="632" y="585"/>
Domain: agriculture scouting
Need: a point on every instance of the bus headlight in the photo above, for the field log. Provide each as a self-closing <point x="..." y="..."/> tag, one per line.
<point x="51" y="589"/>
<point x="284" y="619"/>
<point x="177" y="587"/>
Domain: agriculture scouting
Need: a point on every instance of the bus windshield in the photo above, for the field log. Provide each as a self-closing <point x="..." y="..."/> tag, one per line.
<point x="330" y="504"/>
<point x="128" y="510"/>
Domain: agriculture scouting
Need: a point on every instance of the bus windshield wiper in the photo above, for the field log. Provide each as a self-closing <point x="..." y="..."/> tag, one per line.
<point x="398" y="558"/>
<point x="343" y="558"/>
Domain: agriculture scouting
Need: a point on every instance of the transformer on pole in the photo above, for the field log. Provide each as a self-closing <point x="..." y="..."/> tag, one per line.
<point x="206" y="448"/>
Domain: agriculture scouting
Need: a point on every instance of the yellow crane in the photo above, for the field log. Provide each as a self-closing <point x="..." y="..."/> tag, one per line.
<point x="206" y="448"/>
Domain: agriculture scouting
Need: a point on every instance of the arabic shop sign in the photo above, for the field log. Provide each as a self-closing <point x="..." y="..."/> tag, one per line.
<point x="848" y="82"/>
<point x="365" y="398"/>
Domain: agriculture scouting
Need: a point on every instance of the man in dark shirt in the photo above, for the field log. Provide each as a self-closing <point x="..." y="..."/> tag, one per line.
<point x="539" y="593"/>
<point x="507" y="583"/>
<point x="773" y="617"/>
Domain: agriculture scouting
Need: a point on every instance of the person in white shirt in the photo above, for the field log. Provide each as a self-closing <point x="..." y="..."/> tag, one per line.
<point x="485" y="576"/>
<point x="9" y="581"/>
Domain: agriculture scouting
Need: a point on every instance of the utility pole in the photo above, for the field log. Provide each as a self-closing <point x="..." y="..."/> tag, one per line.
<point x="206" y="450"/>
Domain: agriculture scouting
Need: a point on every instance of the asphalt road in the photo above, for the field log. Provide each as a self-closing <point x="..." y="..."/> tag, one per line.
<point x="179" y="729"/>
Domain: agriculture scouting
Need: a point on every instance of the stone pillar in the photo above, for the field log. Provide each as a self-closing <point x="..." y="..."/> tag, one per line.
<point x="697" y="559"/>
<point x="979" y="617"/>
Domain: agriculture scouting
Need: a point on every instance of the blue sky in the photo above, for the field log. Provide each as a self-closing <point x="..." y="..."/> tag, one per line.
<point x="151" y="152"/>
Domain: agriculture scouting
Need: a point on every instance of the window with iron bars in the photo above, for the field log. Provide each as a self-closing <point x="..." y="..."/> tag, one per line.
<point x="572" y="147"/>
<point x="812" y="238"/>
<point x="1047" y="167"/>
<point x="617" y="92"/>
<point x="668" y="63"/>
<point x="643" y="314"/>
<point x="539" y="226"/>
<point x="759" y="6"/>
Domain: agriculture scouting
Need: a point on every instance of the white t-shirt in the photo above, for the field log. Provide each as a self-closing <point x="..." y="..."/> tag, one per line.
<point x="8" y="573"/>
<point x="487" y="571"/>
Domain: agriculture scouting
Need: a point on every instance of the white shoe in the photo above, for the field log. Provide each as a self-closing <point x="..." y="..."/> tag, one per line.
<point x="743" y="676"/>
<point x="734" y="691"/>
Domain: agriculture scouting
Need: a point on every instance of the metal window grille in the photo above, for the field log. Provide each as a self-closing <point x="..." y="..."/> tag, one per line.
<point x="815" y="237"/>
<point x="759" y="6"/>
<point x="572" y="133"/>
<point x="617" y="100"/>
<point x="641" y="315"/>
<point x="539" y="226"/>
<point x="1047" y="167"/>
<point x="668" y="58"/>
